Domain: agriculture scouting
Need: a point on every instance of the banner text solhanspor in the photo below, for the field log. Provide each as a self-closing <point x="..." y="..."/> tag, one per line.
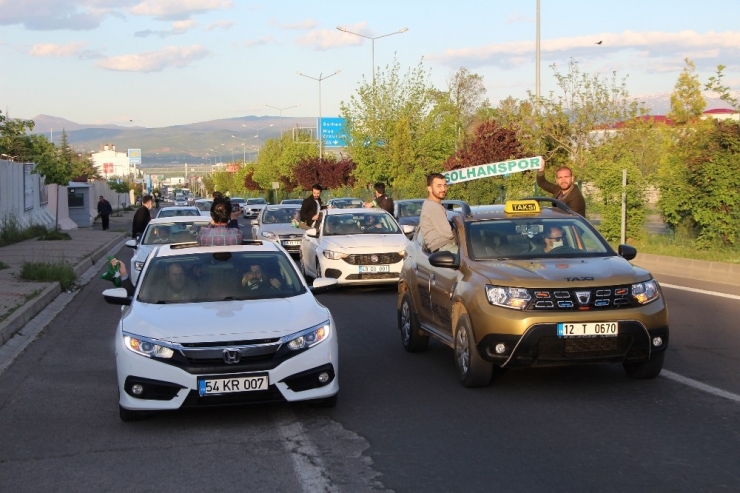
<point x="493" y="169"/>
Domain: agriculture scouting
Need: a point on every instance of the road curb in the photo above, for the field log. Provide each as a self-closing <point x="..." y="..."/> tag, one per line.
<point x="19" y="318"/>
<point x="700" y="270"/>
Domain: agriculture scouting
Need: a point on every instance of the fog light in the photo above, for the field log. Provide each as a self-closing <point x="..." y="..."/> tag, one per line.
<point x="657" y="341"/>
<point x="323" y="377"/>
<point x="137" y="389"/>
<point x="500" y="348"/>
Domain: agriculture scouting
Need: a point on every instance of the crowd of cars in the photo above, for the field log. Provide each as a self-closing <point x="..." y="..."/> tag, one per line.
<point x="532" y="284"/>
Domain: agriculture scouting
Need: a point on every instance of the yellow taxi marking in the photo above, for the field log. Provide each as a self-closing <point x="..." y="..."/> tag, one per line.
<point x="522" y="206"/>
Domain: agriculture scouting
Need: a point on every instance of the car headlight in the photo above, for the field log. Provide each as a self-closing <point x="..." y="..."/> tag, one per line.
<point x="147" y="347"/>
<point x="507" y="297"/>
<point x="334" y="255"/>
<point x="307" y="338"/>
<point x="645" y="292"/>
<point x="269" y="236"/>
<point x="138" y="265"/>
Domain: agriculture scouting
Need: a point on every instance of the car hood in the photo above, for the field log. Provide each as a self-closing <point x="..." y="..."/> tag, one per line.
<point x="281" y="229"/>
<point x="597" y="271"/>
<point x="225" y="320"/>
<point x="390" y="242"/>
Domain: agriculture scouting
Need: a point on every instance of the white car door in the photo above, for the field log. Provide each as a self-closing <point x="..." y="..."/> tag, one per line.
<point x="309" y="245"/>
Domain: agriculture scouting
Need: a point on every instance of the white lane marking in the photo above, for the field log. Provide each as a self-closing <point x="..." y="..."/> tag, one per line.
<point x="700" y="386"/>
<point x="307" y="462"/>
<point x="701" y="291"/>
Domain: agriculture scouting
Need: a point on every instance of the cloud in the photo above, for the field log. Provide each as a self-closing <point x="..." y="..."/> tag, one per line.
<point x="218" y="25"/>
<point x="301" y="26"/>
<point x="650" y="44"/>
<point x="178" y="9"/>
<point x="324" y="39"/>
<point x="46" y="15"/>
<point x="155" y="61"/>
<point x="178" y="27"/>
<point x="260" y="42"/>
<point x="519" y="18"/>
<point x="56" y="51"/>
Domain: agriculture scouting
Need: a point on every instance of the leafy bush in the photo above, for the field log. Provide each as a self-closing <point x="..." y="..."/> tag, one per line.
<point x="11" y="231"/>
<point x="55" y="235"/>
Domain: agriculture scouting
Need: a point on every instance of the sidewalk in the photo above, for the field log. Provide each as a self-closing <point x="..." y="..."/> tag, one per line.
<point x="21" y="300"/>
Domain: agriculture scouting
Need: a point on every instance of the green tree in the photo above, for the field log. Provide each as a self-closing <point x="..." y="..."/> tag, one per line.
<point x="687" y="102"/>
<point x="15" y="141"/>
<point x="715" y="85"/>
<point x="120" y="186"/>
<point x="50" y="164"/>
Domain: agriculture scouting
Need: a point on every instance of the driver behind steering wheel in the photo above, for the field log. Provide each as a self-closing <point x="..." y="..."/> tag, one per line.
<point x="255" y="279"/>
<point x="553" y="238"/>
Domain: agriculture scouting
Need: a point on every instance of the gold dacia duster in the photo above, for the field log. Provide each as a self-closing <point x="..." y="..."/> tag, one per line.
<point x="532" y="284"/>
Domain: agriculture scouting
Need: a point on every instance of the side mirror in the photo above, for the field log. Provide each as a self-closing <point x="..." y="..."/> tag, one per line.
<point x="627" y="251"/>
<point x="444" y="259"/>
<point x="323" y="284"/>
<point x="131" y="243"/>
<point x="312" y="233"/>
<point x="117" y="296"/>
<point x="408" y="229"/>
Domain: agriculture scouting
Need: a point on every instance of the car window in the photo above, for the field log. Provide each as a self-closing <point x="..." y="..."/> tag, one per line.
<point x="172" y="232"/>
<point x="223" y="276"/>
<point x="204" y="205"/>
<point x="178" y="212"/>
<point x="526" y="238"/>
<point x="360" y="223"/>
<point x="412" y="209"/>
<point x="256" y="201"/>
<point x="278" y="216"/>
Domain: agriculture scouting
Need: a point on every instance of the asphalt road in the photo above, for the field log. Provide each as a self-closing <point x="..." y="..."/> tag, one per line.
<point x="403" y="422"/>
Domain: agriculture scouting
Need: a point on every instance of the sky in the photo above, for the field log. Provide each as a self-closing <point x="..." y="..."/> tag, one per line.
<point x="156" y="63"/>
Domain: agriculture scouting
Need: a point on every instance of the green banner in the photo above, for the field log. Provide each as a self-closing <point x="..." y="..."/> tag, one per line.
<point x="493" y="169"/>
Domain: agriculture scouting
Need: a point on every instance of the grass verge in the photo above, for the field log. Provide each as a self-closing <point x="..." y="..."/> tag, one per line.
<point x="54" y="235"/>
<point x="59" y="271"/>
<point x="11" y="231"/>
<point x="684" y="248"/>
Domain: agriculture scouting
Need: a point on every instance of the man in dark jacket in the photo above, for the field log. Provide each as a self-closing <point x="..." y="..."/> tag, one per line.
<point x="565" y="190"/>
<point x="104" y="210"/>
<point x="382" y="201"/>
<point x="142" y="216"/>
<point x="310" y="207"/>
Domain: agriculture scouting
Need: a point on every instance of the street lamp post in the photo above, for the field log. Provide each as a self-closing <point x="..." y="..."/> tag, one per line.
<point x="537" y="54"/>
<point x="318" y="130"/>
<point x="244" y="141"/>
<point x="281" y="113"/>
<point x="372" y="39"/>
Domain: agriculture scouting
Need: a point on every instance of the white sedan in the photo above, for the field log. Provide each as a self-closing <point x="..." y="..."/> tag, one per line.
<point x="275" y="224"/>
<point x="354" y="246"/>
<point x="212" y="326"/>
<point x="162" y="231"/>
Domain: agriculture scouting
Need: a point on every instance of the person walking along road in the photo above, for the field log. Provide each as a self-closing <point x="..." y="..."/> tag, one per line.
<point x="142" y="217"/>
<point x="105" y="210"/>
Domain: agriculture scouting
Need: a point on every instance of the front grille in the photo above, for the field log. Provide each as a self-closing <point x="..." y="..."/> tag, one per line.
<point x="559" y="348"/>
<point x="366" y="258"/>
<point x="372" y="275"/>
<point x="599" y="298"/>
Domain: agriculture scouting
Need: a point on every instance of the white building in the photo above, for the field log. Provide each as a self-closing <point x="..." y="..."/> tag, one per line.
<point x="110" y="163"/>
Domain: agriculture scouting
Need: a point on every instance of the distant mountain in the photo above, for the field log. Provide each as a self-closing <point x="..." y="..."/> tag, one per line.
<point x="193" y="143"/>
<point x="660" y="103"/>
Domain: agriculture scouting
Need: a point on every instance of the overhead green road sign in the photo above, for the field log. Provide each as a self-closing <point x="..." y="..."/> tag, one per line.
<point x="493" y="169"/>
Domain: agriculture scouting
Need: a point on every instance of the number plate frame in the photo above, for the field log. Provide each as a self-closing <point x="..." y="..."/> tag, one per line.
<point x="230" y="384"/>
<point x="373" y="269"/>
<point x="291" y="242"/>
<point x="589" y="329"/>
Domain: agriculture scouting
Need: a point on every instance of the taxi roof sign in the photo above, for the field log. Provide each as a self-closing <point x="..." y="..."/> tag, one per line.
<point x="522" y="207"/>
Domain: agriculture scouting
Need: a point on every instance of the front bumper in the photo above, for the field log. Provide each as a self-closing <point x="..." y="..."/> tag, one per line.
<point x="167" y="386"/>
<point x="349" y="274"/>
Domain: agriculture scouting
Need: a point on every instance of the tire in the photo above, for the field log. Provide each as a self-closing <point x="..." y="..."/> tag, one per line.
<point x="327" y="402"/>
<point x="411" y="338"/>
<point x="127" y="415"/>
<point x="646" y="369"/>
<point x="473" y="370"/>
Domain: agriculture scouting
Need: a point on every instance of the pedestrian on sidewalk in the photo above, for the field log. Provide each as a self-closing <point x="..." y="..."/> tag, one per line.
<point x="104" y="210"/>
<point x="142" y="216"/>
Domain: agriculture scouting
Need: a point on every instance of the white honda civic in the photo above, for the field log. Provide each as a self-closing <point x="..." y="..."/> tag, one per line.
<point x="222" y="325"/>
<point x="354" y="246"/>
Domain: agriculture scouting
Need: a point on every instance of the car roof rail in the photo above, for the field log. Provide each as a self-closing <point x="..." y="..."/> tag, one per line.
<point x="558" y="204"/>
<point x="464" y="207"/>
<point x="251" y="242"/>
<point x="185" y="244"/>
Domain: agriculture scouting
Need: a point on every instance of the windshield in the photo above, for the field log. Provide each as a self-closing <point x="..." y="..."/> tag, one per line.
<point x="204" y="205"/>
<point x="282" y="215"/>
<point x="172" y="232"/>
<point x="360" y="223"/>
<point x="178" y="212"/>
<point x="409" y="209"/>
<point x="223" y="276"/>
<point x="534" y="238"/>
<point x="345" y="203"/>
<point x="255" y="201"/>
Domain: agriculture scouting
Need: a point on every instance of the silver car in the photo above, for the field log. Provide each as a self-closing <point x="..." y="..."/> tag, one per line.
<point x="276" y="224"/>
<point x="161" y="231"/>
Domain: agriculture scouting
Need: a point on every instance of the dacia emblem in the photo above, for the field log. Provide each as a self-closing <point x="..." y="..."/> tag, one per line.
<point x="583" y="297"/>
